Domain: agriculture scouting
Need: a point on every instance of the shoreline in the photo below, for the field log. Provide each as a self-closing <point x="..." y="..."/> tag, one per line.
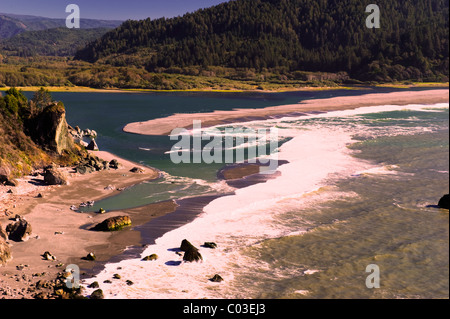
<point x="66" y="234"/>
<point x="55" y="227"/>
<point x="85" y="89"/>
<point x="164" y="126"/>
<point x="169" y="215"/>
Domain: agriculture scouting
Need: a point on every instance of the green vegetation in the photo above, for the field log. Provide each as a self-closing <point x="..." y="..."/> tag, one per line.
<point x="17" y="150"/>
<point x="243" y="45"/>
<point x="288" y="36"/>
<point x="20" y="151"/>
<point x="51" y="42"/>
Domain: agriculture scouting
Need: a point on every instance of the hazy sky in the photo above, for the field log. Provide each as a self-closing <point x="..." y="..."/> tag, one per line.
<point x="106" y="9"/>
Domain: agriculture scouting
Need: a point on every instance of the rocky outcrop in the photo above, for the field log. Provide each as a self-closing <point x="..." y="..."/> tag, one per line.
<point x="444" y="202"/>
<point x="91" y="164"/>
<point x="5" y="172"/>
<point x="5" y="177"/>
<point x="113" y="223"/>
<point x="19" y="231"/>
<point x="92" y="146"/>
<point x="53" y="176"/>
<point x="114" y="164"/>
<point x="191" y="253"/>
<point x="50" y="129"/>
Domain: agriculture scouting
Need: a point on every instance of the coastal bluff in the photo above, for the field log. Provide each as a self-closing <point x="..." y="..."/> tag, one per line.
<point x="33" y="134"/>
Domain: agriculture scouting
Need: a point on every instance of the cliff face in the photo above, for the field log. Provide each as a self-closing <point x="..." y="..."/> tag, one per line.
<point x="50" y="129"/>
<point x="32" y="137"/>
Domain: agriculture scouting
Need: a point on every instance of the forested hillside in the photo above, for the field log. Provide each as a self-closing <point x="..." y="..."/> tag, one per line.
<point x="51" y="42"/>
<point x="286" y="36"/>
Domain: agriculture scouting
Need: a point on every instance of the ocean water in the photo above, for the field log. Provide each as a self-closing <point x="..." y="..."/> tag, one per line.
<point x="358" y="190"/>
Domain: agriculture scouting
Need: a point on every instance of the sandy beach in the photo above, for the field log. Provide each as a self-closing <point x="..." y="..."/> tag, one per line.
<point x="66" y="234"/>
<point x="63" y="232"/>
<point x="163" y="126"/>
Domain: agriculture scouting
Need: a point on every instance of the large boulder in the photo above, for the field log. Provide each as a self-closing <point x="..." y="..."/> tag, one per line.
<point x="19" y="231"/>
<point x="113" y="223"/>
<point x="5" y="177"/>
<point x="53" y="176"/>
<point x="50" y="129"/>
<point x="5" y="172"/>
<point x="191" y="253"/>
<point x="444" y="202"/>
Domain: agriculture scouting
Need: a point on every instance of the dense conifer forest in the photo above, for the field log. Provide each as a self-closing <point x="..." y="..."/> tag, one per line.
<point x="286" y="36"/>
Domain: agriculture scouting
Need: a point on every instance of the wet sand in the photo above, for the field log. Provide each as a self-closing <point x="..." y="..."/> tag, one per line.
<point x="163" y="126"/>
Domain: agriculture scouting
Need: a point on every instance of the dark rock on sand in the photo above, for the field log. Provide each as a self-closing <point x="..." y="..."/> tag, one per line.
<point x="97" y="294"/>
<point x="19" y="231"/>
<point x="113" y="223"/>
<point x="210" y="244"/>
<point x="114" y="164"/>
<point x="90" y="256"/>
<point x="11" y="182"/>
<point x="48" y="256"/>
<point x="94" y="285"/>
<point x="444" y="202"/>
<point x="53" y="176"/>
<point x="216" y="278"/>
<point x="150" y="257"/>
<point x="191" y="253"/>
<point x="5" y="172"/>
<point x="136" y="170"/>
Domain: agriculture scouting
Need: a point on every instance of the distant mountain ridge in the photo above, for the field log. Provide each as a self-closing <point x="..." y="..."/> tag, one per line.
<point x="13" y="24"/>
<point x="50" y="42"/>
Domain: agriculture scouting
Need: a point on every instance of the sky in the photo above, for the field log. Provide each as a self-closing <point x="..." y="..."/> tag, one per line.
<point x="106" y="9"/>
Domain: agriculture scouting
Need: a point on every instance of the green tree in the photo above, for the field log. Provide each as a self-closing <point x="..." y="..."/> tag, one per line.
<point x="41" y="98"/>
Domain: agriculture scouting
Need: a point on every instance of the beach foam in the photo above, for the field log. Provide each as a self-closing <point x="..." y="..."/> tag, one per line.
<point x="316" y="154"/>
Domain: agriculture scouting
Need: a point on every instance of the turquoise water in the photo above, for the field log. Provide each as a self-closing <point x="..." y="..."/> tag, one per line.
<point x="108" y="113"/>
